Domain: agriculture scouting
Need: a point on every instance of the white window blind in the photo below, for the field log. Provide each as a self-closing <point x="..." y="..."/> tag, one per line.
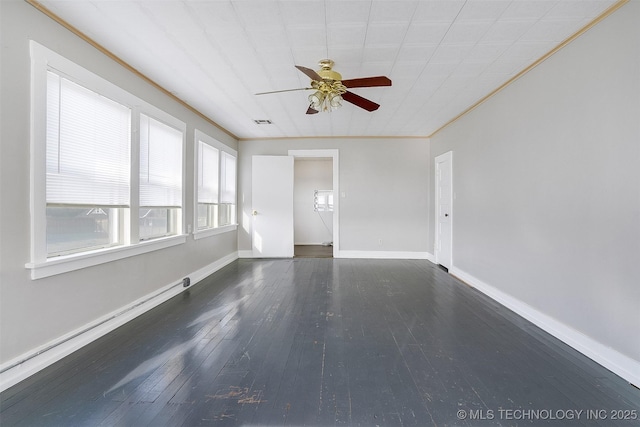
<point x="208" y="158"/>
<point x="160" y="164"/>
<point x="88" y="146"/>
<point x="228" y="178"/>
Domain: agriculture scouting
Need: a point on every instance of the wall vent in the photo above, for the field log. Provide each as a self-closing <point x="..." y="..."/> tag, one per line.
<point x="263" y="122"/>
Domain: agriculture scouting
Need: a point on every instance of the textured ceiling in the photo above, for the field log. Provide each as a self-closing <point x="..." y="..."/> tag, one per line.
<point x="442" y="56"/>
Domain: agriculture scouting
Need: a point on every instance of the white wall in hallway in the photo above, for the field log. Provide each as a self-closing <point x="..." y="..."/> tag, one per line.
<point x="311" y="175"/>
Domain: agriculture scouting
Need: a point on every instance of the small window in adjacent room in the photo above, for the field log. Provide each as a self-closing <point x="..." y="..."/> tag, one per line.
<point x="323" y="200"/>
<point x="216" y="185"/>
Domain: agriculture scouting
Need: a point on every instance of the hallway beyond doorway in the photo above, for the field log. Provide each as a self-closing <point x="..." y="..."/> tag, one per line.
<point x="312" y="251"/>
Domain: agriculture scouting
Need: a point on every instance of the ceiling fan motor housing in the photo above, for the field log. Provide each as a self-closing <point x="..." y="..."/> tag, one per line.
<point x="326" y="71"/>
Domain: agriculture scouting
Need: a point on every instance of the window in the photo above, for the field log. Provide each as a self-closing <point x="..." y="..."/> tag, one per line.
<point x="92" y="199"/>
<point x="323" y="200"/>
<point x="80" y="228"/>
<point x="88" y="142"/>
<point x="216" y="186"/>
<point x="160" y="178"/>
<point x="227" y="209"/>
<point x="208" y="161"/>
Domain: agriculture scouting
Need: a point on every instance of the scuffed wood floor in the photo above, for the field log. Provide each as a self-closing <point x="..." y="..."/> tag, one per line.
<point x="322" y="342"/>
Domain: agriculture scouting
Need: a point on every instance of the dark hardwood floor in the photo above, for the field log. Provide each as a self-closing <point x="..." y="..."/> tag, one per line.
<point x="312" y="251"/>
<point x="324" y="342"/>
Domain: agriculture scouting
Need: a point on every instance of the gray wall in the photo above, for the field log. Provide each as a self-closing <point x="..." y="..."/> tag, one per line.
<point x="546" y="177"/>
<point x="385" y="182"/>
<point x="308" y="226"/>
<point x="36" y="312"/>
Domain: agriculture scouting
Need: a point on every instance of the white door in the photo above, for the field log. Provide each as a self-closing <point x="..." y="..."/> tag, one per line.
<point x="444" y="205"/>
<point x="272" y="206"/>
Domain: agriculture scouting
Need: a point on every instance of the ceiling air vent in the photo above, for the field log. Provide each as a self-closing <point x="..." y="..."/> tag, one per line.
<point x="262" y="122"/>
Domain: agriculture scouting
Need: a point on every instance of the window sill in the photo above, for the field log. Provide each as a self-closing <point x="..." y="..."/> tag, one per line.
<point x="67" y="263"/>
<point x="201" y="234"/>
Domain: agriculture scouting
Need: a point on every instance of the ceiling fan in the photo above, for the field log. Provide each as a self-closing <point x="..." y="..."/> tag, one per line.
<point x="331" y="90"/>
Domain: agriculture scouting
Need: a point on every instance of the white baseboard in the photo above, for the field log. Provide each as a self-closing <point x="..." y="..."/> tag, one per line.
<point x="208" y="270"/>
<point x="314" y="243"/>
<point x="385" y="255"/>
<point x="39" y="358"/>
<point x="245" y="254"/>
<point x="366" y="254"/>
<point x="616" y="362"/>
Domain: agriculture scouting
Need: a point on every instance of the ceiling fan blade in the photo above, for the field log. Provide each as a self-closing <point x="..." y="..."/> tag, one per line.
<point x="285" y="90"/>
<point x="360" y="101"/>
<point x="310" y="73"/>
<point x="312" y="111"/>
<point x="368" y="82"/>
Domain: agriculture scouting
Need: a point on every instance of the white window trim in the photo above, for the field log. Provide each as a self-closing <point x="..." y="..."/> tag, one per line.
<point x="67" y="263"/>
<point x="43" y="59"/>
<point x="208" y="232"/>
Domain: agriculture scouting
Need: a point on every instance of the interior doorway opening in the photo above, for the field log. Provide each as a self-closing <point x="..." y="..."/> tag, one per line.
<point x="316" y="203"/>
<point x="313" y="207"/>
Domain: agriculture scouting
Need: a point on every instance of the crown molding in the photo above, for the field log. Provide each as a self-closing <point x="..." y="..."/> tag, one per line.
<point x="276" y="138"/>
<point x="568" y="40"/>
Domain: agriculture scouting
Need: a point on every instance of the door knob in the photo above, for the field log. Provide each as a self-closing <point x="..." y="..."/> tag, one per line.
<point x="254" y="213"/>
<point x="444" y="214"/>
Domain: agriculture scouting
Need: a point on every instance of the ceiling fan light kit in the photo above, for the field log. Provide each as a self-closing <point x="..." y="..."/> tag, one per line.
<point x="331" y="90"/>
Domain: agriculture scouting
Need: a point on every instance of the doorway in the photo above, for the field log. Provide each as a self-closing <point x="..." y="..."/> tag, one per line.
<point x="313" y="202"/>
<point x="316" y="203"/>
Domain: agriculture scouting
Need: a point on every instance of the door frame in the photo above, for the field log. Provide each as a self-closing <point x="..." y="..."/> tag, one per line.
<point x="448" y="156"/>
<point x="334" y="155"/>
